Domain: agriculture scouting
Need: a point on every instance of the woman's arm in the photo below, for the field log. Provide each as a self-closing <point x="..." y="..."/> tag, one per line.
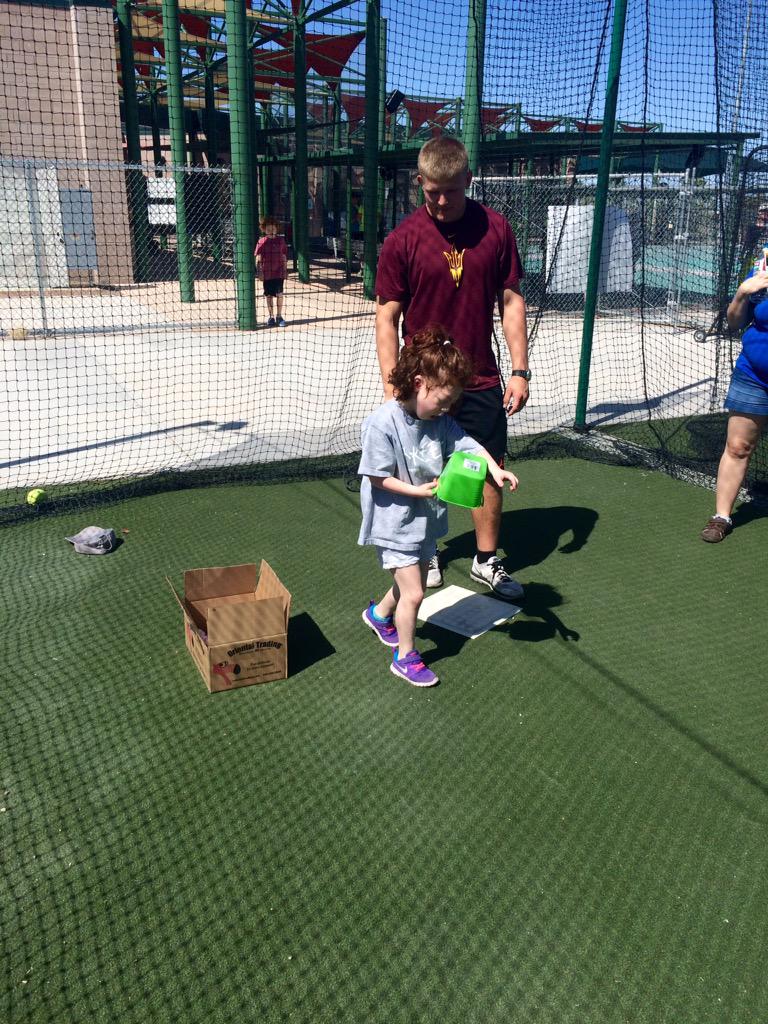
<point x="740" y="311"/>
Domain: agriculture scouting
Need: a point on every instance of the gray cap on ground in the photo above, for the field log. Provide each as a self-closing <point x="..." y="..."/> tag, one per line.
<point x="93" y="540"/>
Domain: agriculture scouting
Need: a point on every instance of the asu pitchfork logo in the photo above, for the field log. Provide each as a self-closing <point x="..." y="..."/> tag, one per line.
<point x="455" y="264"/>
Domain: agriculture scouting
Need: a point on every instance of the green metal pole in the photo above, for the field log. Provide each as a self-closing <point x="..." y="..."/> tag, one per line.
<point x="135" y="181"/>
<point x="601" y="200"/>
<point x="336" y="167"/>
<point x="371" y="148"/>
<point x="348" y="238"/>
<point x="253" y="150"/>
<point x="212" y="151"/>
<point x="526" y="211"/>
<point x="211" y="135"/>
<point x="381" y="192"/>
<point x="301" y="173"/>
<point x="240" y="148"/>
<point x="157" y="152"/>
<point x="172" y="40"/>
<point x="472" y="132"/>
<point x="293" y="222"/>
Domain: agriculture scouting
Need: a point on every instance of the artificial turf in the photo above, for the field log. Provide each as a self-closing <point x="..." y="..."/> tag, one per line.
<point x="570" y="829"/>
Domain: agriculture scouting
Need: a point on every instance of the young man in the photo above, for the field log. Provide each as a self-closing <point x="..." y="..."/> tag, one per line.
<point x="450" y="263"/>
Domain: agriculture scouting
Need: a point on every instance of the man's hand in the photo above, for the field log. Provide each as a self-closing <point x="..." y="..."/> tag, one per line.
<point x="515" y="395"/>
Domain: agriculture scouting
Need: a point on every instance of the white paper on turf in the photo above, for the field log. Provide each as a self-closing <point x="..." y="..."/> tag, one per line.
<point x="465" y="612"/>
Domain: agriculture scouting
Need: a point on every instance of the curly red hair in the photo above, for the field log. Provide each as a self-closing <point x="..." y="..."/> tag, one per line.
<point x="432" y="355"/>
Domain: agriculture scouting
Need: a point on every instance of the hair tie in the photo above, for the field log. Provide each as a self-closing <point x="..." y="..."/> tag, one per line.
<point x="447" y="341"/>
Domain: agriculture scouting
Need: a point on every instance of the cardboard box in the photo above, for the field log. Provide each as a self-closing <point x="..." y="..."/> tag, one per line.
<point x="236" y="624"/>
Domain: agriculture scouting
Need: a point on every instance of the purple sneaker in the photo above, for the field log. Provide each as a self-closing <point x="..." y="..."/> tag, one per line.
<point x="384" y="629"/>
<point x="412" y="668"/>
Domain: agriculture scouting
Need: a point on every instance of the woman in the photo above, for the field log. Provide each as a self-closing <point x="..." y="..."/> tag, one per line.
<point x="747" y="398"/>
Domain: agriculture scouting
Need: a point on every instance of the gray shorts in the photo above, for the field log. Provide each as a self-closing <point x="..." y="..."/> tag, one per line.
<point x="391" y="559"/>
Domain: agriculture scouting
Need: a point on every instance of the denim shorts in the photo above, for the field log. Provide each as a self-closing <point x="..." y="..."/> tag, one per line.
<point x="391" y="559"/>
<point x="746" y="395"/>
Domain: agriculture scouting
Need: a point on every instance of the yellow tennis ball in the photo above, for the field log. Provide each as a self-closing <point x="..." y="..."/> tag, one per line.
<point x="35" y="496"/>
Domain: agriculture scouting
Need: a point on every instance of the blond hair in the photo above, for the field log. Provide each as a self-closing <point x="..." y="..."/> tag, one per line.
<point x="442" y="158"/>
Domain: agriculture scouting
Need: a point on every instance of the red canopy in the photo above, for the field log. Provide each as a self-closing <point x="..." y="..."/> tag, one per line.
<point x="494" y="117"/>
<point x="589" y="126"/>
<point x="541" y="124"/>
<point x="423" y="111"/>
<point x="635" y="127"/>
<point x="326" y="55"/>
<point x="354" y="106"/>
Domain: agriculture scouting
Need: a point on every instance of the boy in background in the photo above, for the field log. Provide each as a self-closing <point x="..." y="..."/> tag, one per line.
<point x="272" y="263"/>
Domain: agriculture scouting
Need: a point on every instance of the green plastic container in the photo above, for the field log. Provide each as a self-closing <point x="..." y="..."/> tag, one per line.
<point x="461" y="482"/>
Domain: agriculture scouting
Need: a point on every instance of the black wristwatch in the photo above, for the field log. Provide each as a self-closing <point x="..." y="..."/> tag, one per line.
<point x="525" y="374"/>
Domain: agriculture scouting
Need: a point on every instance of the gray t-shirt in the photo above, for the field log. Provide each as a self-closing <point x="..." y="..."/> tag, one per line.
<point x="415" y="451"/>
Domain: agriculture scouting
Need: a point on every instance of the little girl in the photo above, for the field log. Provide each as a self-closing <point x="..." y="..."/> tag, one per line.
<point x="272" y="262"/>
<point x="405" y="445"/>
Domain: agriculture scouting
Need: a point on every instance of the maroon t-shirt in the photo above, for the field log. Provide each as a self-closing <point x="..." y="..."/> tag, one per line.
<point x="451" y="274"/>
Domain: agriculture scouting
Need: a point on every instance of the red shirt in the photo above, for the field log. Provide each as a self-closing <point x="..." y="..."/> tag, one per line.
<point x="451" y="274"/>
<point x="273" y="252"/>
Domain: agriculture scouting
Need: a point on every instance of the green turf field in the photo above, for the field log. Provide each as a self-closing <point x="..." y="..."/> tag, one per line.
<point x="570" y="829"/>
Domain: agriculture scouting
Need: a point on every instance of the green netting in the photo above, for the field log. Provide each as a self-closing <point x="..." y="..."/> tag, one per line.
<point x="142" y="143"/>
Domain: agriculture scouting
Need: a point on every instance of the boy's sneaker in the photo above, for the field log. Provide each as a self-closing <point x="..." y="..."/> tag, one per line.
<point x="412" y="668"/>
<point x="271" y="322"/>
<point x="493" y="574"/>
<point x="383" y="628"/>
<point x="717" y="529"/>
<point x="280" y="322"/>
<point x="434" y="573"/>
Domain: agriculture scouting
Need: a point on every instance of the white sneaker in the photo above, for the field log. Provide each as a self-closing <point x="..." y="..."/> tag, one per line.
<point x="493" y="574"/>
<point x="434" y="573"/>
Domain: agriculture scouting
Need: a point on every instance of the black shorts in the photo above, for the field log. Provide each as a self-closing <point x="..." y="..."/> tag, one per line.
<point x="481" y="415"/>
<point x="273" y="286"/>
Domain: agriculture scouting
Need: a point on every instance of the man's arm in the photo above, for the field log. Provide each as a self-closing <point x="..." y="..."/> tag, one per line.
<point x="387" y="339"/>
<point x="512" y="309"/>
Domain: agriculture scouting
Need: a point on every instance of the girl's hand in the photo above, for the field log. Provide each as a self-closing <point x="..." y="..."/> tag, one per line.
<point x="500" y="475"/>
<point x="425" y="490"/>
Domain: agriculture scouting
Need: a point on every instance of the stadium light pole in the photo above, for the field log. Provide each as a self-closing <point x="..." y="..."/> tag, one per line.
<point x="240" y="149"/>
<point x="172" y="41"/>
<point x="471" y="120"/>
<point x="601" y="200"/>
<point x="371" y="147"/>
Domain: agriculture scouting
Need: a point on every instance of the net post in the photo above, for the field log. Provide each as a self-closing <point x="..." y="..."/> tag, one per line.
<point x="601" y="199"/>
<point x="172" y="41"/>
<point x="371" y="147"/>
<point x="135" y="181"/>
<point x="301" y="180"/>
<point x="471" y="124"/>
<point x="239" y="133"/>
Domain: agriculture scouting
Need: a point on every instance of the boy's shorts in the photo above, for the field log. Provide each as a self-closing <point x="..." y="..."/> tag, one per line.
<point x="391" y="559"/>
<point x="273" y="286"/>
<point x="481" y="415"/>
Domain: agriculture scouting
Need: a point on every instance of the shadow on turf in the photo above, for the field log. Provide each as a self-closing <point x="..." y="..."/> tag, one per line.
<point x="540" y="623"/>
<point x="307" y="643"/>
<point x="529" y="535"/>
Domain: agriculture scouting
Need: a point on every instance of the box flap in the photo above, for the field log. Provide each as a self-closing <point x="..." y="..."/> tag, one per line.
<point x="178" y="599"/>
<point x="219" y="582"/>
<point x="270" y="586"/>
<point x="245" y="620"/>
